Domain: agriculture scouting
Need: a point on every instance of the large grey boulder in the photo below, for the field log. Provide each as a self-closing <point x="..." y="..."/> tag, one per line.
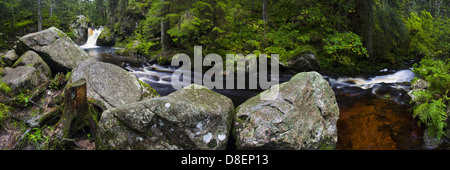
<point x="31" y="58"/>
<point x="186" y="119"/>
<point x="303" y="116"/>
<point x="55" y="48"/>
<point x="21" y="78"/>
<point x="111" y="84"/>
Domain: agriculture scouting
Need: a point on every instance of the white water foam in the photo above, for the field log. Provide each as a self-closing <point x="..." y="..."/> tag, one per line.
<point x="92" y="38"/>
<point x="398" y="77"/>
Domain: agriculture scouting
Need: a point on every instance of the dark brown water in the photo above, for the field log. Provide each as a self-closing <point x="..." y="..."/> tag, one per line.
<point x="373" y="114"/>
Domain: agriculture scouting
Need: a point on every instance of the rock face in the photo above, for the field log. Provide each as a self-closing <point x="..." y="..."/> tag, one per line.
<point x="303" y="116"/>
<point x="55" y="48"/>
<point x="106" y="38"/>
<point x="80" y="29"/>
<point x="305" y="62"/>
<point x="186" y="119"/>
<point x="111" y="84"/>
<point x="20" y="78"/>
<point x="33" y="59"/>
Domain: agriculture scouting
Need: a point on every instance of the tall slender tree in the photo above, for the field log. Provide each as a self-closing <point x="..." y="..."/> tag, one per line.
<point x="39" y="15"/>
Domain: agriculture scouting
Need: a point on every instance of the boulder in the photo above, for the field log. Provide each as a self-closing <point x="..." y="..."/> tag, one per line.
<point x="106" y="37"/>
<point x="189" y="118"/>
<point x="303" y="116"/>
<point x="21" y="78"/>
<point x="417" y="85"/>
<point x="302" y="63"/>
<point x="431" y="141"/>
<point x="80" y="29"/>
<point x="55" y="48"/>
<point x="9" y="58"/>
<point x="111" y="84"/>
<point x="31" y="58"/>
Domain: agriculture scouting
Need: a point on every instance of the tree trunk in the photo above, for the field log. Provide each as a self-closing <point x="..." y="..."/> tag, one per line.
<point x="13" y="22"/>
<point x="39" y="15"/>
<point x="265" y="15"/>
<point x="50" y="10"/>
<point x="75" y="109"/>
<point x="370" y="27"/>
<point x="164" y="27"/>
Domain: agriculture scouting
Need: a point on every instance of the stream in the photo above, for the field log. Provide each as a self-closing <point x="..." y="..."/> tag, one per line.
<point x="373" y="114"/>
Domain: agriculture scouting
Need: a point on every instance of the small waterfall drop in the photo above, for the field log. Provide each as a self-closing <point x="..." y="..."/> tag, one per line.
<point x="398" y="77"/>
<point x="92" y="38"/>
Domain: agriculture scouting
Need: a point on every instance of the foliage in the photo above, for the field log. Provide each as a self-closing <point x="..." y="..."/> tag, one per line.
<point x="344" y="49"/>
<point x="431" y="109"/>
<point x="436" y="72"/>
<point x="4" y="109"/>
<point x="4" y="87"/>
<point x="23" y="99"/>
<point x="58" y="81"/>
<point x="36" y="138"/>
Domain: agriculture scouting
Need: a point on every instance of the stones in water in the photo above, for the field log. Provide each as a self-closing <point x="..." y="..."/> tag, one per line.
<point x="303" y="116"/>
<point x="189" y="118"/>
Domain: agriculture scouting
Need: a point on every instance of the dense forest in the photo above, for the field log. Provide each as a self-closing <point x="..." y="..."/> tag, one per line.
<point x="348" y="37"/>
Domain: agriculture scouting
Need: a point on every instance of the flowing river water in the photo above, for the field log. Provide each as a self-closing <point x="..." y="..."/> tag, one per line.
<point x="373" y="114"/>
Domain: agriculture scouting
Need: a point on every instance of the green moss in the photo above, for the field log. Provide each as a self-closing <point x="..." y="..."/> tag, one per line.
<point x="4" y="87"/>
<point x="148" y="91"/>
<point x="17" y="62"/>
<point x="68" y="76"/>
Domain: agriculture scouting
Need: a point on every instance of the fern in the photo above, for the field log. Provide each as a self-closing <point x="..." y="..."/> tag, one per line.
<point x="432" y="109"/>
<point x="434" y="116"/>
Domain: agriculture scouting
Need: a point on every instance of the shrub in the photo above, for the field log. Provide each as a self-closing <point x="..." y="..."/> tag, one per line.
<point x="344" y="49"/>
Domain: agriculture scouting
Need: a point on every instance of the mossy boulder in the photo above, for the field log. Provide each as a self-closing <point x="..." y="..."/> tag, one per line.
<point x="31" y="58"/>
<point x="21" y="78"/>
<point x="191" y="118"/>
<point x="106" y="38"/>
<point x="54" y="47"/>
<point x="111" y="84"/>
<point x="79" y="28"/>
<point x="9" y="58"/>
<point x="302" y="116"/>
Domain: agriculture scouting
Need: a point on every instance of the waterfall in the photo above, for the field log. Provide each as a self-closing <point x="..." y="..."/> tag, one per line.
<point x="92" y="38"/>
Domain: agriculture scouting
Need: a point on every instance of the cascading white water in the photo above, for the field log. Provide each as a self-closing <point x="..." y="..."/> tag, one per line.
<point x="398" y="77"/>
<point x="92" y="38"/>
